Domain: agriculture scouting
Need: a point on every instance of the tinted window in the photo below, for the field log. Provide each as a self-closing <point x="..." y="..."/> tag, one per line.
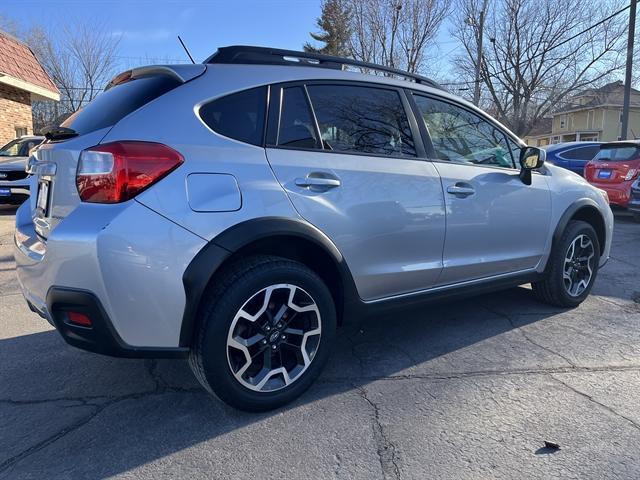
<point x="296" y="123"/>
<point x="362" y="120"/>
<point x="19" y="147"/>
<point x="617" y="154"/>
<point x="462" y="136"/>
<point x="239" y="116"/>
<point x="116" y="103"/>
<point x="11" y="149"/>
<point x="581" y="153"/>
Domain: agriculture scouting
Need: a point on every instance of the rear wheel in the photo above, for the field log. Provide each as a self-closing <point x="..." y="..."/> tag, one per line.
<point x="572" y="267"/>
<point x="267" y="330"/>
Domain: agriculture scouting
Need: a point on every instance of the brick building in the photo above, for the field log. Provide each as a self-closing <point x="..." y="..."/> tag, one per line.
<point x="22" y="80"/>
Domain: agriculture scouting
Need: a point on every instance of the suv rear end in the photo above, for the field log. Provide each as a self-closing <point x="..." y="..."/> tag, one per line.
<point x="82" y="232"/>
<point x="614" y="169"/>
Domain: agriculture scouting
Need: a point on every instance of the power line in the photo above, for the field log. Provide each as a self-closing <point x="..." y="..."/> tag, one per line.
<point x="573" y="37"/>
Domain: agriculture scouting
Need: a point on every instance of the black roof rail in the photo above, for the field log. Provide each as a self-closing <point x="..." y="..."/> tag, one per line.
<point x="245" y="54"/>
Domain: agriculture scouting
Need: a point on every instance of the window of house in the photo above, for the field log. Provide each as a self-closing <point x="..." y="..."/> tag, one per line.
<point x="360" y="119"/>
<point x="297" y="129"/>
<point x="563" y="121"/>
<point x="239" y="116"/>
<point x="588" y="138"/>
<point x="20" y="131"/>
<point x="461" y="136"/>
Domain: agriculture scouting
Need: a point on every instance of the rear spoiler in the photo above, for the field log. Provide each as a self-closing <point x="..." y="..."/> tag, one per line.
<point x="620" y="144"/>
<point x="181" y="73"/>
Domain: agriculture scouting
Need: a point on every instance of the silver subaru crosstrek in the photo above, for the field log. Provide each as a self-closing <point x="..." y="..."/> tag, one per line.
<point x="237" y="211"/>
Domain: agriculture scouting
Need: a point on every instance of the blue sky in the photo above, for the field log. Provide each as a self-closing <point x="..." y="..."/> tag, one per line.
<point x="149" y="28"/>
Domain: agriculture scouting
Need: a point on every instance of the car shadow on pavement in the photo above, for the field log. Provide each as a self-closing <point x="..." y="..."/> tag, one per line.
<point x="55" y="399"/>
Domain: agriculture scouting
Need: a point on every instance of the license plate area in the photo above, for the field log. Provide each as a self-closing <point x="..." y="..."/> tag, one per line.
<point x="5" y="192"/>
<point x="604" y="174"/>
<point x="42" y="200"/>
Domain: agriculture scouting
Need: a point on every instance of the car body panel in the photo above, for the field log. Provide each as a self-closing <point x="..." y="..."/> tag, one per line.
<point x="387" y="217"/>
<point x="501" y="228"/>
<point x="131" y="258"/>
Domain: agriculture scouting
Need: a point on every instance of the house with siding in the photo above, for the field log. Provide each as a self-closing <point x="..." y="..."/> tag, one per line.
<point x="594" y="114"/>
<point x="22" y="81"/>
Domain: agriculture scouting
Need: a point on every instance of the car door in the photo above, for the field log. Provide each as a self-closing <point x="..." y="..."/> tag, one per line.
<point x="354" y="170"/>
<point x="495" y="223"/>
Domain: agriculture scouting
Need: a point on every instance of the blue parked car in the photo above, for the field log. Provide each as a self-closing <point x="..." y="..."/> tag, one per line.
<point x="572" y="155"/>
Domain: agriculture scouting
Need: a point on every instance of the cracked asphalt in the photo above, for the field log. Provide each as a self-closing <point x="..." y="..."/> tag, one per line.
<point x="467" y="389"/>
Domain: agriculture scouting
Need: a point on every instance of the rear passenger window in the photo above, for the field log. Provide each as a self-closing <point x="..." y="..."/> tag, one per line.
<point x="362" y="120"/>
<point x="239" y="116"/>
<point x="297" y="129"/>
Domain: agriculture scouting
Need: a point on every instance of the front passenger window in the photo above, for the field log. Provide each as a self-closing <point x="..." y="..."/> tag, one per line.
<point x="459" y="135"/>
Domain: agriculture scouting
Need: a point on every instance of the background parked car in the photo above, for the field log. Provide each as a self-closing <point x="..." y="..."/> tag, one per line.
<point x="14" y="184"/>
<point x="572" y="155"/>
<point x="634" y="201"/>
<point x="614" y="169"/>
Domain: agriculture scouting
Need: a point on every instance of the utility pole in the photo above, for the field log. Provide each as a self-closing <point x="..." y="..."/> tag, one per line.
<point x="479" y="38"/>
<point x="627" y="77"/>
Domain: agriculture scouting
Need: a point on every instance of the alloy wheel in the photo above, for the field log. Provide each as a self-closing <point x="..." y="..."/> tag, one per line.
<point x="578" y="265"/>
<point x="274" y="337"/>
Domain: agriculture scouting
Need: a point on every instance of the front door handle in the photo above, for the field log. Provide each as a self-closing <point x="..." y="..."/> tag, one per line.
<point x="461" y="190"/>
<point x="318" y="180"/>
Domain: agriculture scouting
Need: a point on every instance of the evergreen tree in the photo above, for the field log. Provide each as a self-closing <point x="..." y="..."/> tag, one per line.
<point x="335" y="30"/>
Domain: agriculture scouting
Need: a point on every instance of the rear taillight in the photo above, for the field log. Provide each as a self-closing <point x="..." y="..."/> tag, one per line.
<point x="630" y="174"/>
<point x="116" y="172"/>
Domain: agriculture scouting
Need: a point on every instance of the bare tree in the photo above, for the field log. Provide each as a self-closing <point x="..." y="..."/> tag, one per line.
<point x="539" y="52"/>
<point x="395" y="33"/>
<point x="80" y="60"/>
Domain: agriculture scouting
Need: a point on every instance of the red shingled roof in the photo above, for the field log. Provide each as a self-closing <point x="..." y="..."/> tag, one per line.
<point x="18" y="61"/>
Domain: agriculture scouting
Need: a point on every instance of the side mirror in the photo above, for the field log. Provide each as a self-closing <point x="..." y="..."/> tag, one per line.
<point x="530" y="159"/>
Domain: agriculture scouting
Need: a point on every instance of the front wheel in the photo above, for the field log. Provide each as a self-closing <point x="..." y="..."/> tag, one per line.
<point x="267" y="330"/>
<point x="572" y="267"/>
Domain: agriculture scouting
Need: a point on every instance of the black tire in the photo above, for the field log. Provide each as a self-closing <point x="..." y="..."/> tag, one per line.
<point x="551" y="289"/>
<point x="237" y="284"/>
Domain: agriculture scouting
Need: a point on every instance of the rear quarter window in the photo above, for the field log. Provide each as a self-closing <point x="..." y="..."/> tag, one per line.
<point x="113" y="105"/>
<point x="581" y="153"/>
<point x="240" y="116"/>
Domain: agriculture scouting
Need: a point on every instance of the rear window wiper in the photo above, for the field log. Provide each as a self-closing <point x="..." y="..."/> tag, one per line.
<point x="59" y="133"/>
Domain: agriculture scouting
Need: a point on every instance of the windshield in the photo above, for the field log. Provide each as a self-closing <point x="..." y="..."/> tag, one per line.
<point x="616" y="154"/>
<point x="19" y="147"/>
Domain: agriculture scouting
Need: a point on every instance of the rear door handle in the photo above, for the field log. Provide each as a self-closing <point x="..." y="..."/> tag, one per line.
<point x="318" y="180"/>
<point x="461" y="189"/>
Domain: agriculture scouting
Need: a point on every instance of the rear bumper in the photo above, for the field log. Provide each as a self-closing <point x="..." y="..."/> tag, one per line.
<point x="101" y="337"/>
<point x="124" y="262"/>
<point x="619" y="194"/>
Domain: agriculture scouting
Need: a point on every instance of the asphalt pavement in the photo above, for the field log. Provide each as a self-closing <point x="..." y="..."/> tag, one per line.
<point x="460" y="390"/>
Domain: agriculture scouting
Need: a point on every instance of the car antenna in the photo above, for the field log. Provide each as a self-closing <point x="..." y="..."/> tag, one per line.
<point x="186" y="49"/>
